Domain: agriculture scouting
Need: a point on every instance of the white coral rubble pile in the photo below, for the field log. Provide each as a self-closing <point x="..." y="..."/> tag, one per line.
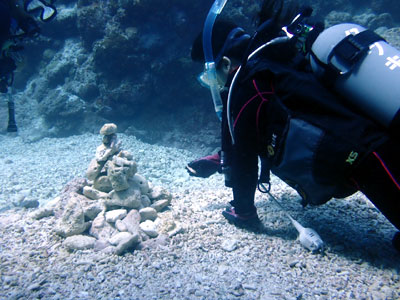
<point x="114" y="209"/>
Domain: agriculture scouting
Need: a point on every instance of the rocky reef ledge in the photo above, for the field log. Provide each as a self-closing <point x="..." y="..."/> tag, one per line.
<point x="114" y="209"/>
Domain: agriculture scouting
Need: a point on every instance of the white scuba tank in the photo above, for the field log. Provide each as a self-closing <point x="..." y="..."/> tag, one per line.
<point x="371" y="82"/>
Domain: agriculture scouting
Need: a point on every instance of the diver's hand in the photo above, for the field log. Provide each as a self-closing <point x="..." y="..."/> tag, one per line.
<point x="29" y="26"/>
<point x="204" y="167"/>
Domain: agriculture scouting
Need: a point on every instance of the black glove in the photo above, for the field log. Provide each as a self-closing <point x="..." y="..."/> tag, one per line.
<point x="205" y="166"/>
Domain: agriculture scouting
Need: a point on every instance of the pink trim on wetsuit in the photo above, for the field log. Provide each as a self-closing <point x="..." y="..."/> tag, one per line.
<point x="387" y="170"/>
<point x="259" y="94"/>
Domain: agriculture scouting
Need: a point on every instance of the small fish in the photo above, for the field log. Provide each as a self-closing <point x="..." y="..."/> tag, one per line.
<point x="308" y="237"/>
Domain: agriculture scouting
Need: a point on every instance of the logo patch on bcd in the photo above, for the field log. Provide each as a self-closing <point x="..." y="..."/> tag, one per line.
<point x="271" y="147"/>
<point x="352" y="157"/>
<point x="270" y="150"/>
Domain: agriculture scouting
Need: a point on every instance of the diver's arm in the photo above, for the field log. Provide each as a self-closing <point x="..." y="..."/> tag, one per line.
<point x="24" y="20"/>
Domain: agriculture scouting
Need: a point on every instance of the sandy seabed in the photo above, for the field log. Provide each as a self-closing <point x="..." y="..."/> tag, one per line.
<point x="209" y="259"/>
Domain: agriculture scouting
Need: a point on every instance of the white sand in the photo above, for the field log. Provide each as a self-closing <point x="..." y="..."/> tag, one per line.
<point x="198" y="263"/>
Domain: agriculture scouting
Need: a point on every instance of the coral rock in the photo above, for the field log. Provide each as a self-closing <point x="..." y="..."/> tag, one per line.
<point x="108" y="129"/>
<point x="142" y="182"/>
<point x="94" y="169"/>
<point x="73" y="219"/>
<point x="93" y="194"/>
<point x="145" y="200"/>
<point x="161" y="240"/>
<point x="92" y="210"/>
<point x="132" y="221"/>
<point x="102" y="184"/>
<point x="148" y="213"/>
<point x="110" y="200"/>
<point x="119" y="170"/>
<point x="124" y="241"/>
<point x="118" y="178"/>
<point x="149" y="228"/>
<point x="125" y="154"/>
<point x="79" y="242"/>
<point x="108" y="139"/>
<point x="128" y="198"/>
<point x="160" y="205"/>
<point x="74" y="186"/>
<point x="100" y="245"/>
<point x="158" y="193"/>
<point x="101" y="229"/>
<point x="117" y="214"/>
<point x="104" y="152"/>
<point x="121" y="226"/>
<point x="118" y="237"/>
<point x="42" y="213"/>
<point x="167" y="225"/>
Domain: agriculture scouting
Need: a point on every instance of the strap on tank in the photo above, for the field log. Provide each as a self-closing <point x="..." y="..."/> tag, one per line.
<point x="353" y="47"/>
<point x="349" y="51"/>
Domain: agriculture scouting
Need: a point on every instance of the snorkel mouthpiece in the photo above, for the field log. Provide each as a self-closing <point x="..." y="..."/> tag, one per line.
<point x="211" y="73"/>
<point x="209" y="66"/>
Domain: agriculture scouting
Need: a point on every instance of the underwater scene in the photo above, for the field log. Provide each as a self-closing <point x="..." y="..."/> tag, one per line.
<point x="114" y="182"/>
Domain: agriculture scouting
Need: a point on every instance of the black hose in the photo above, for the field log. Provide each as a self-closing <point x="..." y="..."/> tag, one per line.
<point x="12" y="125"/>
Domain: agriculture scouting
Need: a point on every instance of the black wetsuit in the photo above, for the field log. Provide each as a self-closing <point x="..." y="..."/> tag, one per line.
<point x="5" y="21"/>
<point x="10" y="11"/>
<point x="7" y="64"/>
<point x="352" y="152"/>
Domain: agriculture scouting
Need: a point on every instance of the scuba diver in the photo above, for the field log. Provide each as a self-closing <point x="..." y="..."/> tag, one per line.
<point x="17" y="23"/>
<point x="233" y="44"/>
<point x="282" y="105"/>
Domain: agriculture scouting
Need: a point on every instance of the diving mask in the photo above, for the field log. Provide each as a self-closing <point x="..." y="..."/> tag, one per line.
<point x="234" y="38"/>
<point x="46" y="10"/>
